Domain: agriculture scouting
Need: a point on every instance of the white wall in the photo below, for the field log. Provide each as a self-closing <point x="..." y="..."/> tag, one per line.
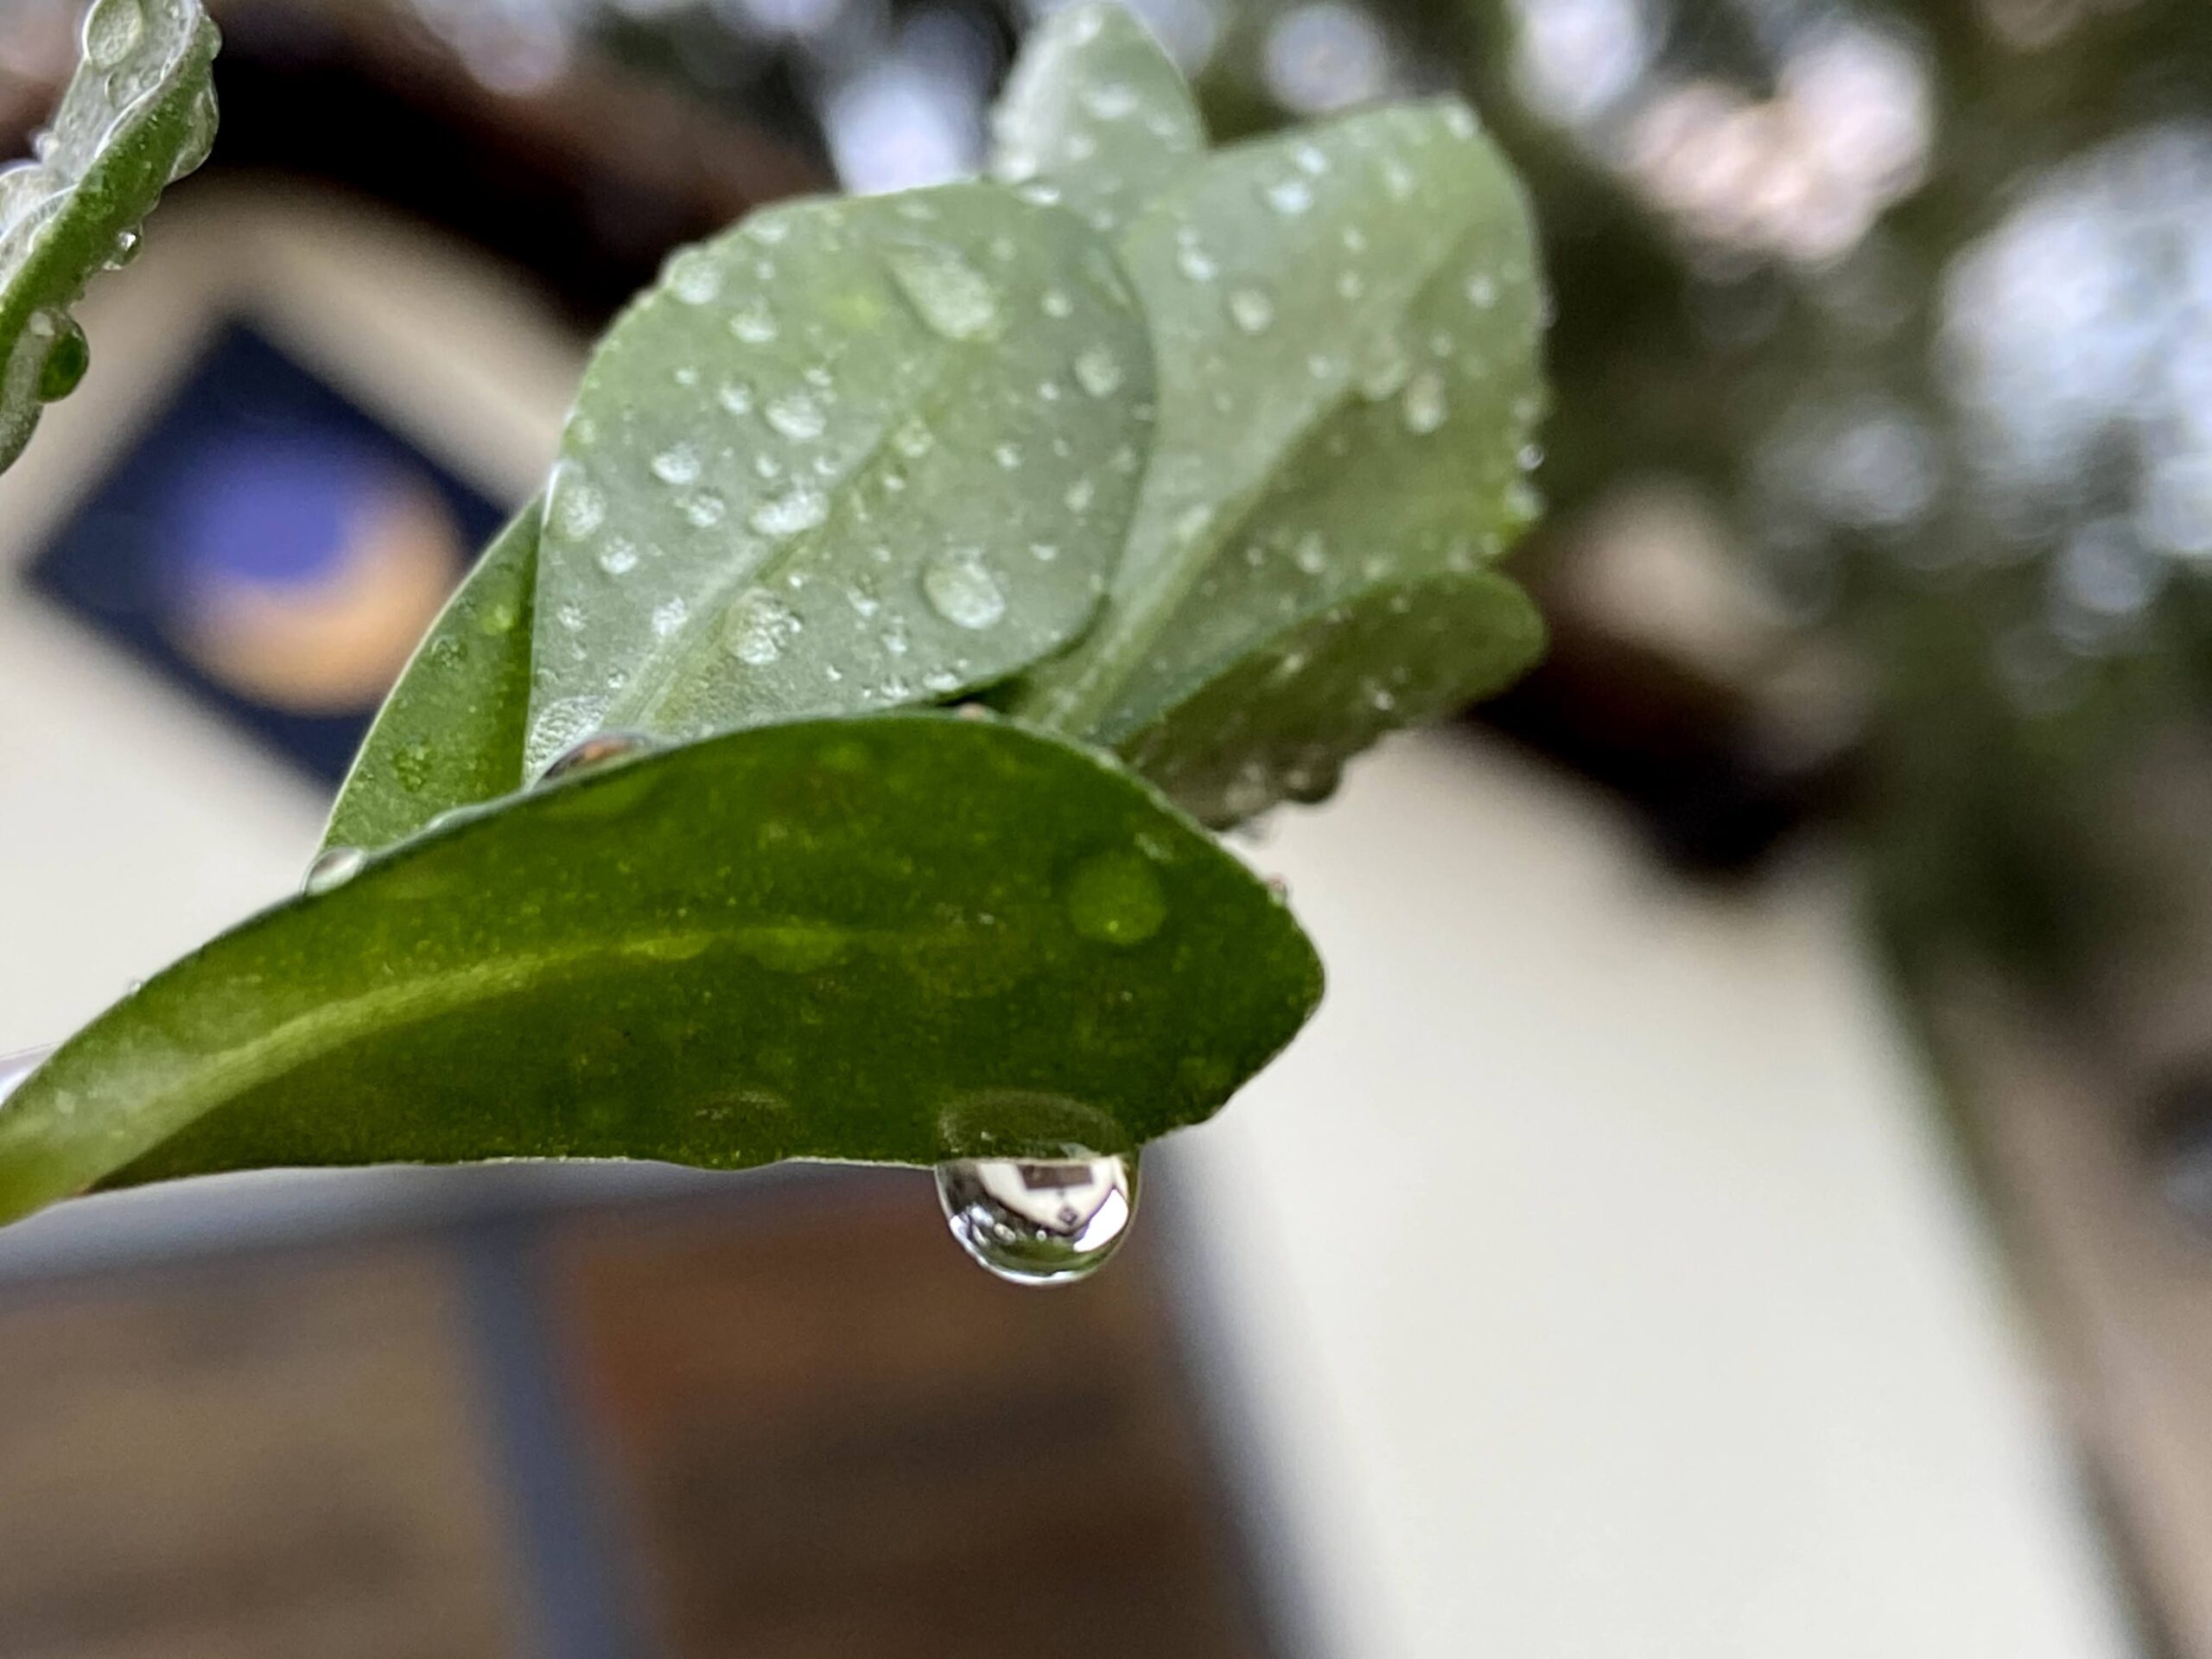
<point x="1601" y="1279"/>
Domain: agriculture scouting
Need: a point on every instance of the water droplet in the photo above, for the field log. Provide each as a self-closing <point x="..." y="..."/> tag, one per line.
<point x="618" y="559"/>
<point x="1530" y="457"/>
<point x="1385" y="369"/>
<point x="1460" y="121"/>
<point x="705" y="509"/>
<point x="1008" y="456"/>
<point x="333" y="868"/>
<point x="1311" y="555"/>
<point x="1195" y="262"/>
<point x="599" y="750"/>
<point x="1057" y="305"/>
<point x="1252" y="310"/>
<point x="1048" y="1221"/>
<point x="1427" y="407"/>
<point x="678" y="465"/>
<point x="570" y="616"/>
<point x="1482" y="291"/>
<point x="1290" y="197"/>
<point x="113" y="30"/>
<point x="798" y="416"/>
<point x="66" y="360"/>
<point x="753" y="323"/>
<point x="125" y="250"/>
<point x="578" y="507"/>
<point x="1397" y="179"/>
<point x="799" y="510"/>
<point x="1311" y="160"/>
<point x="949" y="295"/>
<point x="1110" y="100"/>
<point x="1098" y="372"/>
<point x="1116" y="898"/>
<point x="1044" y="552"/>
<point x="1080" y="495"/>
<point x="736" y="396"/>
<point x="963" y="589"/>
<point x="758" y="627"/>
<point x="693" y="277"/>
<point x="669" y="616"/>
<point x="914" y="440"/>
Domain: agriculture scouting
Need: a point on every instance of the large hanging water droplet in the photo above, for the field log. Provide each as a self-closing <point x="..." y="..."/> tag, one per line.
<point x="333" y="868"/>
<point x="1041" y="1221"/>
<point x="677" y="465"/>
<point x="962" y="590"/>
<point x="1427" y="405"/>
<point x="947" y="293"/>
<point x="66" y="360"/>
<point x="599" y="750"/>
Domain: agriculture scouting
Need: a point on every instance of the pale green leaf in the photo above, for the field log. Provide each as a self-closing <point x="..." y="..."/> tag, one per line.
<point x="854" y="455"/>
<point x="1096" y="108"/>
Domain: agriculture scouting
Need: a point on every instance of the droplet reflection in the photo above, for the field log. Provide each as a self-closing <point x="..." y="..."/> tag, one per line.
<point x="1039" y="1222"/>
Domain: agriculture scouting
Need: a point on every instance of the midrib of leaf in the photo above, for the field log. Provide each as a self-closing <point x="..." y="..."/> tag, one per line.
<point x="327" y="1029"/>
<point x="1078" y="705"/>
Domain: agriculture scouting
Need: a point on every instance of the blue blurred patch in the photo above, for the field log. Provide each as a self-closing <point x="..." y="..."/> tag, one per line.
<point x="270" y="546"/>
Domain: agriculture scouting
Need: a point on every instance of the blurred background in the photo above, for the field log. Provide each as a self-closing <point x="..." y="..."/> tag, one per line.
<point x="1750" y="1190"/>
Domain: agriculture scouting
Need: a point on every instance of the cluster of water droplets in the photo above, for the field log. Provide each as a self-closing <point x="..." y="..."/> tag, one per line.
<point x="1038" y="1221"/>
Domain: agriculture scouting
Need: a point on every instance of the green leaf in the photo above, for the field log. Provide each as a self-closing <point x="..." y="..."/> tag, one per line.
<point x="1098" y="108"/>
<point x="451" y="733"/>
<point x="1346" y="321"/>
<point x="138" y="115"/>
<point x="897" y="938"/>
<point x="1281" y="721"/>
<point x="853" y="454"/>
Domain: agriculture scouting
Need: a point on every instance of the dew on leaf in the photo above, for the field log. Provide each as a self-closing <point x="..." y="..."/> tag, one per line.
<point x="963" y="589"/>
<point x="790" y="514"/>
<point x="758" y="627"/>
<point x="1427" y="407"/>
<point x="1252" y="310"/>
<point x="798" y="416"/>
<point x="1098" y="372"/>
<point x="952" y="298"/>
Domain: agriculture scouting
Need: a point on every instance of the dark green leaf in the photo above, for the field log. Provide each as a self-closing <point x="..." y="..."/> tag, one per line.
<point x="853" y="454"/>
<point x="1346" y="322"/>
<point x="1096" y="107"/>
<point x="896" y="939"/>
<point x="451" y="733"/>
<point x="138" y="115"/>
